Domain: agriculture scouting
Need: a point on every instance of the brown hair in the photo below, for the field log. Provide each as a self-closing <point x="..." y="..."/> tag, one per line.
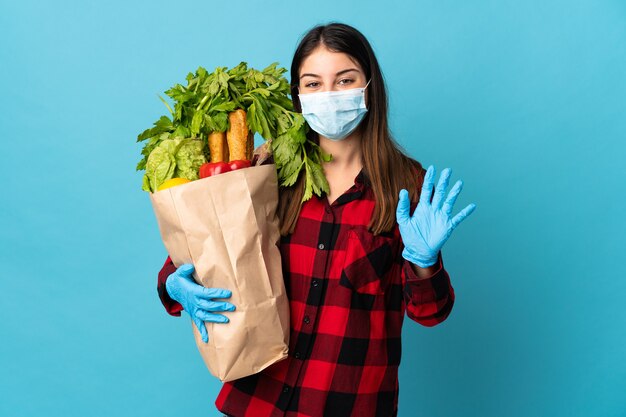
<point x="385" y="163"/>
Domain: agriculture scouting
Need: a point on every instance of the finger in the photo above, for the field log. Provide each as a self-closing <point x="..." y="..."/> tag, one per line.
<point x="202" y="329"/>
<point x="404" y="207"/>
<point x="185" y="270"/>
<point x="442" y="185"/>
<point x="208" y="293"/>
<point x="451" y="199"/>
<point x="427" y="186"/>
<point x="463" y="214"/>
<point x="213" y="318"/>
<point x="215" y="305"/>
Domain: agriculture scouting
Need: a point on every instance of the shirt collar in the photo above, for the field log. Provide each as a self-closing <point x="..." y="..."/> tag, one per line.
<point x="361" y="183"/>
<point x="362" y="180"/>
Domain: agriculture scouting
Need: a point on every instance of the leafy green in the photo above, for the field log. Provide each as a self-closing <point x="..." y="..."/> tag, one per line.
<point x="202" y="107"/>
<point x="160" y="167"/>
<point x="189" y="157"/>
<point x="180" y="158"/>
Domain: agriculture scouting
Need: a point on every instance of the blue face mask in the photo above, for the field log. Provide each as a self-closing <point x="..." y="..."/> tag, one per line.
<point x="334" y="114"/>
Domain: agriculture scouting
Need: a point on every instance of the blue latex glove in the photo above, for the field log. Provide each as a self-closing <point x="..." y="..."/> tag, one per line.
<point x="197" y="300"/>
<point x="430" y="226"/>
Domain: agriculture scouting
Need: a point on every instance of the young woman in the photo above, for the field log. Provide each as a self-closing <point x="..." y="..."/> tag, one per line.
<point x="354" y="260"/>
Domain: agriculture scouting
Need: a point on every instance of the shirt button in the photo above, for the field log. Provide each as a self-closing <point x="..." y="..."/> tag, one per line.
<point x="320" y="246"/>
<point x="307" y="320"/>
<point x="286" y="390"/>
<point x="315" y="283"/>
<point x="297" y="355"/>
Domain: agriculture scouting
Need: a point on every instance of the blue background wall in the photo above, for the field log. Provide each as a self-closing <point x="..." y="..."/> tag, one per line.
<point x="524" y="100"/>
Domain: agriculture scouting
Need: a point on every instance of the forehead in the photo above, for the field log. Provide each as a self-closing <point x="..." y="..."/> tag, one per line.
<point x="324" y="62"/>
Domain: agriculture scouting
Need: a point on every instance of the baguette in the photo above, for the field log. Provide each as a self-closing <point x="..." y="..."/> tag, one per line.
<point x="250" y="150"/>
<point x="238" y="136"/>
<point x="218" y="148"/>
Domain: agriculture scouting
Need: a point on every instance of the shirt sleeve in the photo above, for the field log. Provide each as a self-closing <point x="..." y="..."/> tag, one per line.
<point x="429" y="300"/>
<point x="172" y="306"/>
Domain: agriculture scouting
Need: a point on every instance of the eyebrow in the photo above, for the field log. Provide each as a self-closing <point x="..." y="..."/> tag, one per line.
<point x="338" y="74"/>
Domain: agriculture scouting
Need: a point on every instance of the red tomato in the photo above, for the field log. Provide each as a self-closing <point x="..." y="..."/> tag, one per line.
<point x="239" y="163"/>
<point x="213" y="168"/>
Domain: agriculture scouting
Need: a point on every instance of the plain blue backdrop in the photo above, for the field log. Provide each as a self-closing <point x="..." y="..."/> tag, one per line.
<point x="525" y="101"/>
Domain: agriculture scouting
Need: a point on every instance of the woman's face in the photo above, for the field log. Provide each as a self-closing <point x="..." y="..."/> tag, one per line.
<point x="324" y="70"/>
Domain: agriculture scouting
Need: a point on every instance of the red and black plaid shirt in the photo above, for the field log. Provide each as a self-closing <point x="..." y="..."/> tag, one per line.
<point x="348" y="291"/>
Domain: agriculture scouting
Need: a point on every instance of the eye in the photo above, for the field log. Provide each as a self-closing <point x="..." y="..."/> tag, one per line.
<point x="346" y="81"/>
<point x="312" y="84"/>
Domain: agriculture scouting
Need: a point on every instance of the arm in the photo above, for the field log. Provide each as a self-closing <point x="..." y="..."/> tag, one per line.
<point x="178" y="291"/>
<point x="423" y="273"/>
<point x="172" y="306"/>
<point x="429" y="300"/>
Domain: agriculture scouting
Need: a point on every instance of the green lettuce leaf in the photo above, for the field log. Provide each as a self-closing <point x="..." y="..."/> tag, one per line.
<point x="173" y="158"/>
<point x="159" y="167"/>
<point x="189" y="157"/>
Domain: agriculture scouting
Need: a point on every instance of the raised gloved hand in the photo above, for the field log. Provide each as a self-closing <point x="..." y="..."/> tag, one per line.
<point x="430" y="226"/>
<point x="197" y="300"/>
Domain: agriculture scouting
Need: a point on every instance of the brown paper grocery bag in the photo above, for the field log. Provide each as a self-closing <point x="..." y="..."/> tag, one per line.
<point x="226" y="226"/>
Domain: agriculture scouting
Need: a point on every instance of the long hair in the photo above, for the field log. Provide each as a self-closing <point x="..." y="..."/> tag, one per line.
<point x="385" y="163"/>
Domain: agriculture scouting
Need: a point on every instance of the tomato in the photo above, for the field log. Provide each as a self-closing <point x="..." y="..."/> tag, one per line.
<point x="239" y="163"/>
<point x="213" y="168"/>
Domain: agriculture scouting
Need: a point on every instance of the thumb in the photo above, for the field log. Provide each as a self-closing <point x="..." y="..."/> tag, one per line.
<point x="404" y="207"/>
<point x="202" y="329"/>
<point x="185" y="270"/>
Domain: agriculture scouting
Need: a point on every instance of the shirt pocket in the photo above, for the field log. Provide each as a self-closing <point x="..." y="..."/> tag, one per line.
<point x="367" y="261"/>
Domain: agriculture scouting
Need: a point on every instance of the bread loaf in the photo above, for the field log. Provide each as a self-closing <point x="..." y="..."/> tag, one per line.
<point x="250" y="151"/>
<point x="218" y="147"/>
<point x="237" y="136"/>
